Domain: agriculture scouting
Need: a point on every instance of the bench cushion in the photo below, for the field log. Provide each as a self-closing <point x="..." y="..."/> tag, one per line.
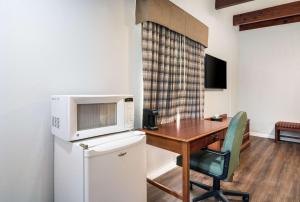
<point x="283" y="124"/>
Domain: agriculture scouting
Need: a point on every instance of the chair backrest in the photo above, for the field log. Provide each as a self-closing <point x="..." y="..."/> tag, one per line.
<point x="233" y="140"/>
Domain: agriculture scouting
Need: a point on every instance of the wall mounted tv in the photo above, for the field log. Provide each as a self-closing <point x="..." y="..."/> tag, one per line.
<point x="215" y="73"/>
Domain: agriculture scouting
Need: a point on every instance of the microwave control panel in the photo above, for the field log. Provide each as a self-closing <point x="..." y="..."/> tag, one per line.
<point x="129" y="113"/>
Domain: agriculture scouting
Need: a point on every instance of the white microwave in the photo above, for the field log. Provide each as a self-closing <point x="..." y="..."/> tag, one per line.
<point x="75" y="117"/>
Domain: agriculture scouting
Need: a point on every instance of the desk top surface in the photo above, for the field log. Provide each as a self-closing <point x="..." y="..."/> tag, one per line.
<point x="187" y="130"/>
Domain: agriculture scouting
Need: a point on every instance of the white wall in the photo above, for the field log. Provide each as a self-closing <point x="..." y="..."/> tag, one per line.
<point x="223" y="43"/>
<point x="53" y="47"/>
<point x="269" y="75"/>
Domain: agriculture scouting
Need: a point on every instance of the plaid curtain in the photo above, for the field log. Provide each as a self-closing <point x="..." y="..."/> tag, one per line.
<point x="192" y="90"/>
<point x="173" y="73"/>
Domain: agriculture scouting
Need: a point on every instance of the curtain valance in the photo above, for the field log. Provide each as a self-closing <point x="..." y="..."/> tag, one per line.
<point x="166" y="13"/>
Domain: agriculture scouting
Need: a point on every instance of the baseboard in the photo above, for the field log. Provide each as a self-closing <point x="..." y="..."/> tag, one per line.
<point x="263" y="135"/>
<point x="163" y="169"/>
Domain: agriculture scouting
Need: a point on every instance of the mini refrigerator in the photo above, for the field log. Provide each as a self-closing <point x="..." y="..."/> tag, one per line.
<point x="109" y="168"/>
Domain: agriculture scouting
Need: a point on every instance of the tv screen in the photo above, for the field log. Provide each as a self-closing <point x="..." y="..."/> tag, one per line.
<point x="215" y="73"/>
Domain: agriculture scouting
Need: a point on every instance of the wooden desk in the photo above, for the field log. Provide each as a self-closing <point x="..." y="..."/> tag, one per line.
<point x="188" y="136"/>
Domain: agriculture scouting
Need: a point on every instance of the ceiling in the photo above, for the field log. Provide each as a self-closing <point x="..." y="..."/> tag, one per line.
<point x="254" y="5"/>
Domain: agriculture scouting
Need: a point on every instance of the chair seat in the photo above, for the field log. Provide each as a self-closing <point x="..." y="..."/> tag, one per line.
<point x="284" y="124"/>
<point x="205" y="162"/>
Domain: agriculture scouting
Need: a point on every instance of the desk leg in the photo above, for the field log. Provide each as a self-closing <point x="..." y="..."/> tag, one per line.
<point x="186" y="172"/>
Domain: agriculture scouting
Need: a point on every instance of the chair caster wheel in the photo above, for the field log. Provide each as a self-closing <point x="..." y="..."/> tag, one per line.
<point x="191" y="186"/>
<point x="245" y="198"/>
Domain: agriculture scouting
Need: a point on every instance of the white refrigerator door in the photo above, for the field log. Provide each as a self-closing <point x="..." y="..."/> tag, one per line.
<point x="116" y="171"/>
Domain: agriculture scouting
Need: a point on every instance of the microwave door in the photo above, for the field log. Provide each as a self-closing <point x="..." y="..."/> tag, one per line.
<point x="90" y="116"/>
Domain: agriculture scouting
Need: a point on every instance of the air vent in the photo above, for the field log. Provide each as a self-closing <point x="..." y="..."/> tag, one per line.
<point x="55" y="122"/>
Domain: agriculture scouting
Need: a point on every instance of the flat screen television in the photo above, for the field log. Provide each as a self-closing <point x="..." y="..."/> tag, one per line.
<point x="215" y="73"/>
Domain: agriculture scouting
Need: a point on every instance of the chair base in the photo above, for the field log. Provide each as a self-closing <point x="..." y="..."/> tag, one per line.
<point x="216" y="192"/>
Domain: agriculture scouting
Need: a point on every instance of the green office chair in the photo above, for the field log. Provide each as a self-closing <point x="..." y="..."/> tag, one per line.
<point x="220" y="165"/>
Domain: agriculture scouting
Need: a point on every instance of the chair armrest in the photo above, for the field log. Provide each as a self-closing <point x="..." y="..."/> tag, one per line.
<point x="219" y="153"/>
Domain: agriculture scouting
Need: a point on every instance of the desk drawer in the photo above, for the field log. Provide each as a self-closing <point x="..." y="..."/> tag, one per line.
<point x="204" y="142"/>
<point x="213" y="138"/>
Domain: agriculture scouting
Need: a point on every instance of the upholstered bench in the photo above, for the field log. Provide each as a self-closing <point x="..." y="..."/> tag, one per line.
<point x="286" y="126"/>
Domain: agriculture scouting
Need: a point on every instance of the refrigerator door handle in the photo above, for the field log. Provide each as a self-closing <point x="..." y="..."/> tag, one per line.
<point x="122" y="154"/>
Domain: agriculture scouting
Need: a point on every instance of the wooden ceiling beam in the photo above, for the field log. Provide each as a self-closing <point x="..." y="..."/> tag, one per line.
<point x="219" y="4"/>
<point x="272" y="13"/>
<point x="269" y="23"/>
